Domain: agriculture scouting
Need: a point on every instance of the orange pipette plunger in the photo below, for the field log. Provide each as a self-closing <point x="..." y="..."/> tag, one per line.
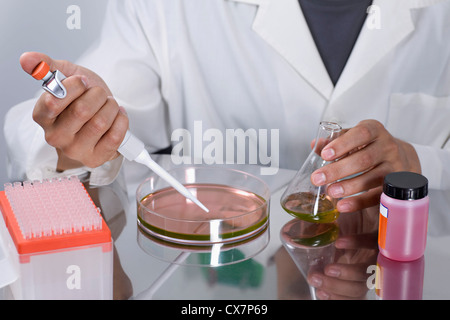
<point x="41" y="71"/>
<point x="52" y="81"/>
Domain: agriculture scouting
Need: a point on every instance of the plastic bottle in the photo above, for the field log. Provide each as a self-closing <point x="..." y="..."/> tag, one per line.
<point x="399" y="280"/>
<point x="403" y="216"/>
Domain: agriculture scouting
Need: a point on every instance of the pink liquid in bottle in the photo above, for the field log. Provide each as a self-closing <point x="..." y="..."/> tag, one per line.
<point x="403" y="216"/>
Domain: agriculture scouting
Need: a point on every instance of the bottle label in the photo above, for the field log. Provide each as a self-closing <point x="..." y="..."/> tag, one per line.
<point x="382" y="226"/>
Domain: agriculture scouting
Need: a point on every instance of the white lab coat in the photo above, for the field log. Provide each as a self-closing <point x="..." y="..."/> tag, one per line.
<point x="253" y="64"/>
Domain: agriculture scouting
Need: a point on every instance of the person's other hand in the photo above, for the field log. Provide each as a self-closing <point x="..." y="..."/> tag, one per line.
<point x="347" y="277"/>
<point x="87" y="126"/>
<point x="369" y="152"/>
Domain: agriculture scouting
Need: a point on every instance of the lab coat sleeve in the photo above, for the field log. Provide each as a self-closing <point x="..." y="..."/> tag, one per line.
<point x="124" y="58"/>
<point x="131" y="57"/>
<point x="422" y="120"/>
<point x="435" y="167"/>
<point x="434" y="163"/>
<point x="31" y="158"/>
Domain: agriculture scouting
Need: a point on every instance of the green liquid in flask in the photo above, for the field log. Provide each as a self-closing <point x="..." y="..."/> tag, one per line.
<point x="309" y="207"/>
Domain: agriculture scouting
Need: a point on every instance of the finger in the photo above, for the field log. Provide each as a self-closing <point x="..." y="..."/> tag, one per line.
<point x="48" y="107"/>
<point x="94" y="129"/>
<point x="350" y="272"/>
<point x="362" y="134"/>
<point x="81" y="110"/>
<point x="363" y="182"/>
<point x="112" y="139"/>
<point x="355" y="163"/>
<point x="360" y="201"/>
<point x="93" y="152"/>
<point x="359" y="241"/>
<point x="29" y="60"/>
<point x="334" y="288"/>
<point x="325" y="295"/>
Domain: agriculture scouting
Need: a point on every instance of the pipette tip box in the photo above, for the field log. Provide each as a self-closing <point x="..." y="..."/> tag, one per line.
<point x="62" y="245"/>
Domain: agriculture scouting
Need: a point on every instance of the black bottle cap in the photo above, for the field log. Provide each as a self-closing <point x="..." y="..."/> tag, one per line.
<point x="405" y="185"/>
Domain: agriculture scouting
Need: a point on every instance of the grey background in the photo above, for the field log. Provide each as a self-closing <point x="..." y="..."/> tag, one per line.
<point x="28" y="25"/>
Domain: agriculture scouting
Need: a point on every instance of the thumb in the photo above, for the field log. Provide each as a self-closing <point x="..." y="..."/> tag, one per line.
<point x="29" y="61"/>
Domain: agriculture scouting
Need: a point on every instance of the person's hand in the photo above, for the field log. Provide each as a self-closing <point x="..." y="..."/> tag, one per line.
<point x="347" y="277"/>
<point x="369" y="150"/>
<point x="87" y="126"/>
<point x="357" y="249"/>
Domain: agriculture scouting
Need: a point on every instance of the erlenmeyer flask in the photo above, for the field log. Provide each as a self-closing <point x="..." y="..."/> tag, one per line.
<point x="310" y="245"/>
<point x="304" y="200"/>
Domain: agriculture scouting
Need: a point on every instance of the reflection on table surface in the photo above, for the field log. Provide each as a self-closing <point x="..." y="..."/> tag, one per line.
<point x="282" y="262"/>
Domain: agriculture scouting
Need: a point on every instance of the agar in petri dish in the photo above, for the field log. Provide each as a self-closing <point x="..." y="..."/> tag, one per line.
<point x="235" y="212"/>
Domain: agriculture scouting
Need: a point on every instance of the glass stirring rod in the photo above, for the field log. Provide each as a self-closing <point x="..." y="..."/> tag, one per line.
<point x="131" y="148"/>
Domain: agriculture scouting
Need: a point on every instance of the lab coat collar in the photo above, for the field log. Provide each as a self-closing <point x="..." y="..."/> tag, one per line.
<point x="376" y="41"/>
<point x="282" y="25"/>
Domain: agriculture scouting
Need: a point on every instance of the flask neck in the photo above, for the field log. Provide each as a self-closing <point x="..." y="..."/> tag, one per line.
<point x="327" y="132"/>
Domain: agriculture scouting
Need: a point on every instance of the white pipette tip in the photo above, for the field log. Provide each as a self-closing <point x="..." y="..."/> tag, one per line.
<point x="201" y="205"/>
<point x="145" y="159"/>
<point x="134" y="150"/>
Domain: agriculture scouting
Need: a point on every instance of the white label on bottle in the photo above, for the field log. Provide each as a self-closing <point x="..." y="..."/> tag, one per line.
<point x="384" y="210"/>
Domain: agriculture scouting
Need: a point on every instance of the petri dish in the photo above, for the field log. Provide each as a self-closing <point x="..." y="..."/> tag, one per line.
<point x="238" y="205"/>
<point x="208" y="255"/>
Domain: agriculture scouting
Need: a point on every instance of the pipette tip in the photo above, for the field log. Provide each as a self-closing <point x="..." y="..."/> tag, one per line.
<point x="201" y="205"/>
<point x="145" y="159"/>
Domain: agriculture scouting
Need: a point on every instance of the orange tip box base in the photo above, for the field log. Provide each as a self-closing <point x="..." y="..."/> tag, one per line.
<point x="63" y="245"/>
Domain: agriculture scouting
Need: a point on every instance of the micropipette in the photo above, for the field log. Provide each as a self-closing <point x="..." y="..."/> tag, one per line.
<point x="131" y="147"/>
